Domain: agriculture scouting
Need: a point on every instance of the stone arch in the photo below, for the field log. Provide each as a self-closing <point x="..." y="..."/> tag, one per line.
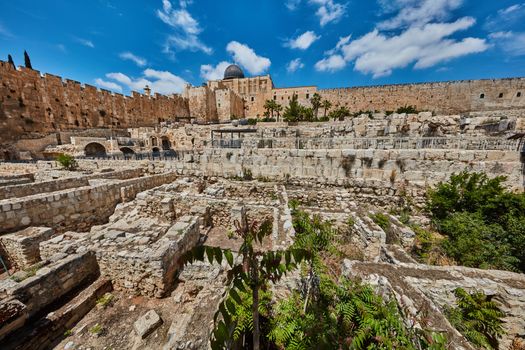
<point x="166" y="144"/>
<point x="127" y="151"/>
<point x="95" y="149"/>
<point x="155" y="150"/>
<point x="154" y="141"/>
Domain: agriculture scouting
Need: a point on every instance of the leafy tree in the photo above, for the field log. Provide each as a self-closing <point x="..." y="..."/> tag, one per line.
<point x="326" y="106"/>
<point x="315" y="100"/>
<point x="255" y="270"/>
<point x="27" y="60"/>
<point x="293" y="112"/>
<point x="67" y="162"/>
<point x="10" y="61"/>
<point x="477" y="317"/>
<point x="340" y="113"/>
<point x="269" y="106"/>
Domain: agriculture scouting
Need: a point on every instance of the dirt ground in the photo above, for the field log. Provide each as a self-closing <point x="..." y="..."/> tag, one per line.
<point x="116" y="325"/>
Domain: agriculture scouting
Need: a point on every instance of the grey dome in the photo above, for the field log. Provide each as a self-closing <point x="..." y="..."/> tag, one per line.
<point x="233" y="72"/>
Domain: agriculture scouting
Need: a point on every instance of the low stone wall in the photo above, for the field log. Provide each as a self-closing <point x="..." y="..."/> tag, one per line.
<point x="53" y="281"/>
<point x="42" y="187"/>
<point x="22" y="248"/>
<point x="23" y="190"/>
<point x="73" y="209"/>
<point x="10" y="180"/>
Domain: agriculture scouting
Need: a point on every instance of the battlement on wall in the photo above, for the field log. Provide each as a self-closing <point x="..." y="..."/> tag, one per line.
<point x="42" y="103"/>
<point x="519" y="80"/>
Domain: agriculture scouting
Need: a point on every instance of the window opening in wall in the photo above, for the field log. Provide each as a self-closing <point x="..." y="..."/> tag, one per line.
<point x="275" y="98"/>
<point x="501" y="95"/>
<point x="253" y="99"/>
<point x="307" y="96"/>
<point x="518" y="94"/>
<point x="482" y="96"/>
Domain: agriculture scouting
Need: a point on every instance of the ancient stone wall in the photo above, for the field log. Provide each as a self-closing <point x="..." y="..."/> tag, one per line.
<point x="73" y="209"/>
<point x="31" y="103"/>
<point x="229" y="104"/>
<point x="444" y="97"/>
<point x="24" y="190"/>
<point x="201" y="102"/>
<point x="53" y="281"/>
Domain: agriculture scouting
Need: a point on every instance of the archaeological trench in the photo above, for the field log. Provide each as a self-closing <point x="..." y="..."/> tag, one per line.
<point x="115" y="228"/>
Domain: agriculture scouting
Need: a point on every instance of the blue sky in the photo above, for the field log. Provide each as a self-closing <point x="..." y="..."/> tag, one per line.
<point x="123" y="45"/>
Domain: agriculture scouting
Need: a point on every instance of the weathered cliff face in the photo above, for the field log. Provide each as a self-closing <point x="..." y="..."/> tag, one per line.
<point x="31" y="104"/>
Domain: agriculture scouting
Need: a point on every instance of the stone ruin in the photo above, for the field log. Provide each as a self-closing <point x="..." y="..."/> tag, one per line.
<point x="113" y="232"/>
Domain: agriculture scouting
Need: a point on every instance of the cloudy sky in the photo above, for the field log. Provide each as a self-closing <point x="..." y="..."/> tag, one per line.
<point x="123" y="45"/>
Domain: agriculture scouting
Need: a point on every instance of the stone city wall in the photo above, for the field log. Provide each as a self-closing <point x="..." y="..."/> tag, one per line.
<point x="73" y="209"/>
<point x="31" y="103"/>
<point x="444" y="97"/>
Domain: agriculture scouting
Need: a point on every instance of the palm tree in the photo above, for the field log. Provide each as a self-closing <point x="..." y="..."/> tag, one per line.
<point x="316" y="103"/>
<point x="278" y="108"/>
<point x="326" y="105"/>
<point x="269" y="105"/>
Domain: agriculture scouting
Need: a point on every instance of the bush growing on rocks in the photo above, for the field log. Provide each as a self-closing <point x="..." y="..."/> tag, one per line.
<point x="483" y="222"/>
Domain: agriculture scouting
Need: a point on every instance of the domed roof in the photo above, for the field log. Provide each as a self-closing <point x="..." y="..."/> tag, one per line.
<point x="233" y="72"/>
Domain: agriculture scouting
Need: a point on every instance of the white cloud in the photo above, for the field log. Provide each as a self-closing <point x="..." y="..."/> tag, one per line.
<point x="245" y="56"/>
<point x="187" y="28"/>
<point x="162" y="82"/>
<point x="506" y="19"/>
<point x="331" y="63"/>
<point x="328" y="11"/>
<point x="294" y="65"/>
<point x="292" y="5"/>
<point x="513" y="43"/>
<point x="108" y="85"/>
<point x="139" y="61"/>
<point x="85" y="42"/>
<point x="209" y="72"/>
<point x="62" y="48"/>
<point x="378" y="54"/>
<point x="303" y="41"/>
<point x="417" y="12"/>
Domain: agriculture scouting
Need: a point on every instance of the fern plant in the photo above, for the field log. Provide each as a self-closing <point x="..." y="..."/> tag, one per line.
<point x="477" y="317"/>
<point x="251" y="274"/>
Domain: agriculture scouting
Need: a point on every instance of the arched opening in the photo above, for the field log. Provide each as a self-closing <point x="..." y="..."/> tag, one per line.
<point x="154" y="141"/>
<point x="155" y="151"/>
<point x="482" y="96"/>
<point x="127" y="151"/>
<point x="95" y="149"/>
<point x="166" y="144"/>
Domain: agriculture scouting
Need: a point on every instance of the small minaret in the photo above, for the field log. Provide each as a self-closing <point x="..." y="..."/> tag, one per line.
<point x="147" y="90"/>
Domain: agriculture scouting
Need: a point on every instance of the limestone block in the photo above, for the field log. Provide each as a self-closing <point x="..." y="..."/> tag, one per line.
<point x="146" y="324"/>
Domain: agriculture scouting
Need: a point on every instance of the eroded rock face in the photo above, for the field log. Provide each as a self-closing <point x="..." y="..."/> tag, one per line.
<point x="425" y="290"/>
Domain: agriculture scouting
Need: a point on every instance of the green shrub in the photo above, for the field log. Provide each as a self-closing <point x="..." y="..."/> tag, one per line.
<point x="407" y="109"/>
<point x="252" y="121"/>
<point x="477" y="317"/>
<point x="67" y="162"/>
<point x="484" y="223"/>
<point x="382" y="220"/>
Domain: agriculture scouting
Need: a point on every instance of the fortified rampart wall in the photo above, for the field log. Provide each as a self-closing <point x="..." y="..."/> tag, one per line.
<point x="31" y="103"/>
<point x="443" y="97"/>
